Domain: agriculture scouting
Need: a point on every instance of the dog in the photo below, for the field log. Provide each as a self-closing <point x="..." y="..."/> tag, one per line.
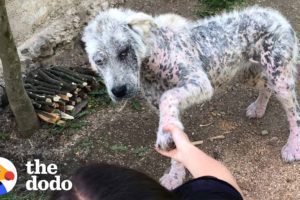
<point x="175" y="63"/>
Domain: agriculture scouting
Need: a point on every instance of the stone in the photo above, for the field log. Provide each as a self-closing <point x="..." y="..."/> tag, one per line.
<point x="264" y="132"/>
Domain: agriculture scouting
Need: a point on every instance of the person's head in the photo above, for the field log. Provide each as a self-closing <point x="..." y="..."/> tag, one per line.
<point x="110" y="182"/>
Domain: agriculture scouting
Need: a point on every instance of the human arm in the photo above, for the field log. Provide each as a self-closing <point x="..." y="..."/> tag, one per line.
<point x="196" y="161"/>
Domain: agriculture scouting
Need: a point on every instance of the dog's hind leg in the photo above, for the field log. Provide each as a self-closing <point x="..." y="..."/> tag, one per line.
<point x="284" y="89"/>
<point x="255" y="77"/>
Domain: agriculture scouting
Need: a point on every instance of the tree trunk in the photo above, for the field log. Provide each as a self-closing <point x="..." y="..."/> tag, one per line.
<point x="19" y="101"/>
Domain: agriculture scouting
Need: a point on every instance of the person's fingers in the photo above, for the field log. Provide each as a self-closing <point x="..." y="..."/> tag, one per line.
<point x="177" y="134"/>
<point x="171" y="154"/>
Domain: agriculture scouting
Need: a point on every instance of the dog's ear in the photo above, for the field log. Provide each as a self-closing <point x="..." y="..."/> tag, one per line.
<point x="141" y="23"/>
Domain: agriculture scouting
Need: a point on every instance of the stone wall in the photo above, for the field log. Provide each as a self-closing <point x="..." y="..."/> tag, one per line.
<point x="48" y="31"/>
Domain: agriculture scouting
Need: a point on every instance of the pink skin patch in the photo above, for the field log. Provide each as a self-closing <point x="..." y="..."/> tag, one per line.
<point x="291" y="151"/>
<point x="287" y="96"/>
<point x="175" y="177"/>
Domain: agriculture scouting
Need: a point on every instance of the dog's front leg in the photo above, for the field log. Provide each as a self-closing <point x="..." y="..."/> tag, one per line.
<point x="194" y="90"/>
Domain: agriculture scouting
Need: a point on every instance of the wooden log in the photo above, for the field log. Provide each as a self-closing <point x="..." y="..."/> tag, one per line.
<point x="61" y="123"/>
<point x="55" y="105"/>
<point x="40" y="92"/>
<point x="71" y="73"/>
<point x="66" y="116"/>
<point x="28" y="86"/>
<point x="44" y="76"/>
<point x="43" y="88"/>
<point x="78" y="100"/>
<point x="76" y="91"/>
<point x="36" y="105"/>
<point x="69" y="95"/>
<point x="68" y="84"/>
<point x="37" y="97"/>
<point x="43" y="103"/>
<point x="88" y="88"/>
<point x="51" y="118"/>
<point x="62" y="105"/>
<point x="41" y="83"/>
<point x="66" y="76"/>
<point x="50" y="79"/>
<point x="85" y="71"/>
<point x="79" y="107"/>
<point x="70" y="108"/>
<point x="64" y="97"/>
<point x="88" y="74"/>
<point x="46" y="71"/>
<point x="56" y="98"/>
<point x="83" y="95"/>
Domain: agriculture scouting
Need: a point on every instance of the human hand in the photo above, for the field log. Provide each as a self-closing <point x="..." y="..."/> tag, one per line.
<point x="181" y="141"/>
<point x="164" y="139"/>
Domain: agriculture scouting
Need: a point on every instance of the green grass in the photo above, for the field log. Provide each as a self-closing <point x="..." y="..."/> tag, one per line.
<point x="84" y="144"/>
<point x="25" y="196"/>
<point x="119" y="148"/>
<point x="136" y="104"/>
<point x="141" y="151"/>
<point x="4" y="136"/>
<point x="211" y="7"/>
<point x="77" y="124"/>
<point x="99" y="98"/>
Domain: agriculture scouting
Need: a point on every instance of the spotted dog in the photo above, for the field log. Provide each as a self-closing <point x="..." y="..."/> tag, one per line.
<point x="176" y="63"/>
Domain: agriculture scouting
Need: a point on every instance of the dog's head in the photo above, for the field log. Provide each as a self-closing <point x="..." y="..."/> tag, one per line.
<point x="115" y="46"/>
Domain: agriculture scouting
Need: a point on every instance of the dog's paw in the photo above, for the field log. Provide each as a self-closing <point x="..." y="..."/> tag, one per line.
<point x="290" y="153"/>
<point x="164" y="140"/>
<point x="255" y="111"/>
<point x="170" y="181"/>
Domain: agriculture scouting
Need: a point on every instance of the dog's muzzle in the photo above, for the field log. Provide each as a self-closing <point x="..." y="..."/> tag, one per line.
<point x="119" y="91"/>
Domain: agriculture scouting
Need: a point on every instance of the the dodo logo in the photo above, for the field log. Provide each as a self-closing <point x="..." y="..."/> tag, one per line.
<point x="8" y="176"/>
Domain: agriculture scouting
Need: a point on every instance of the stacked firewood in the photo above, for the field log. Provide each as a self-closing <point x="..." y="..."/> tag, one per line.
<point x="58" y="93"/>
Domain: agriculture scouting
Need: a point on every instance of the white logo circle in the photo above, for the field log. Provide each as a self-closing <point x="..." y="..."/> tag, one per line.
<point x="8" y="176"/>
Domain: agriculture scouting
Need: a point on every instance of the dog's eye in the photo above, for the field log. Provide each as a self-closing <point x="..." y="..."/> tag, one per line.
<point x="99" y="62"/>
<point x="123" y="54"/>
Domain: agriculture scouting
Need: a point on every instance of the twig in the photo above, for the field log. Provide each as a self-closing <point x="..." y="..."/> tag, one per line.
<point x="203" y="125"/>
<point x="219" y="137"/>
<point x="197" y="142"/>
<point x="123" y="106"/>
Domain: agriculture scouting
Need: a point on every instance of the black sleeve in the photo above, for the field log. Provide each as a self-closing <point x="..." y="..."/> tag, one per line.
<point x="207" y="187"/>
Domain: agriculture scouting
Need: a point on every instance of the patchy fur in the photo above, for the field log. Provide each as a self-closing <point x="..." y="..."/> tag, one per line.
<point x="176" y="63"/>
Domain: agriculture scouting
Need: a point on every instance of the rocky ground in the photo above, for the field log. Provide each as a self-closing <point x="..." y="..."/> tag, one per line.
<point x="250" y="148"/>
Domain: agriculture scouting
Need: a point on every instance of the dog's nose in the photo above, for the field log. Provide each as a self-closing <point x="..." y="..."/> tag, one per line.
<point x="119" y="91"/>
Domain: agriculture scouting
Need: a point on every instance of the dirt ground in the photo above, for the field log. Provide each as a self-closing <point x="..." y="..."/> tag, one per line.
<point x="126" y="137"/>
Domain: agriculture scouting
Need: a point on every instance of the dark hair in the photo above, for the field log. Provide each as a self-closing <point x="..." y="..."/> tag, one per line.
<point x="111" y="182"/>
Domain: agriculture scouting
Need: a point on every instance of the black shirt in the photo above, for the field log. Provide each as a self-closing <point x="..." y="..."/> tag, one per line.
<point x="207" y="188"/>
